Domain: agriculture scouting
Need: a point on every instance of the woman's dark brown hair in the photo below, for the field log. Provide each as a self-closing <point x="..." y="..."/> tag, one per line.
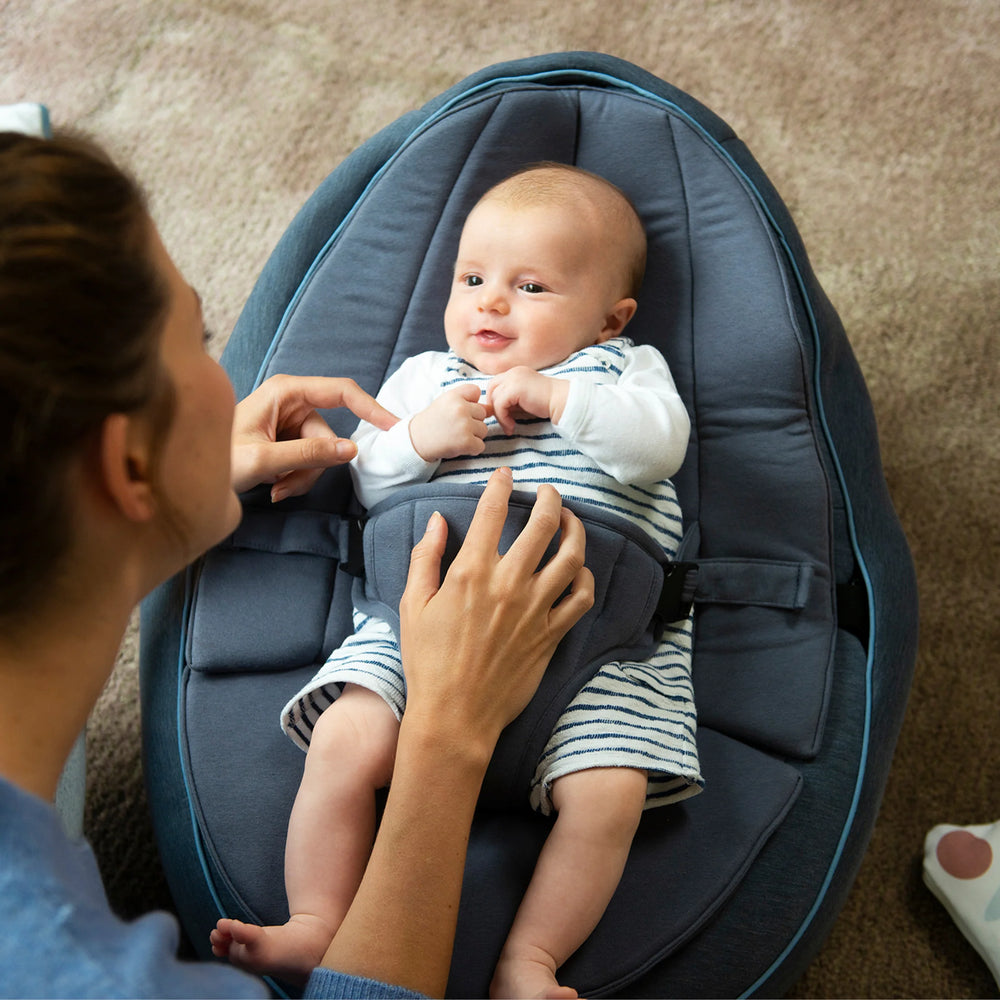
<point x="81" y="311"/>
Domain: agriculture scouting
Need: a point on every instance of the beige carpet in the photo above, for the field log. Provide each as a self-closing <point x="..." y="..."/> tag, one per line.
<point x="877" y="121"/>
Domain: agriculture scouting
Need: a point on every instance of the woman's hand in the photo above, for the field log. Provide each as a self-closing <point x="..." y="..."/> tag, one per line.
<point x="475" y="646"/>
<point x="279" y="438"/>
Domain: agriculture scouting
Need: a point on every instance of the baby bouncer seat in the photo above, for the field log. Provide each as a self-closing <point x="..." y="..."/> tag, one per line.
<point x="805" y="598"/>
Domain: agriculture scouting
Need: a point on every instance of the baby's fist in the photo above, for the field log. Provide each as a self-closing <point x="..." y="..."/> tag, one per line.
<point x="454" y="424"/>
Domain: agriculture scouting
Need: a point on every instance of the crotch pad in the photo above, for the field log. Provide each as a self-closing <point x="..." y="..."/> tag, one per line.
<point x="628" y="570"/>
<point x="962" y="868"/>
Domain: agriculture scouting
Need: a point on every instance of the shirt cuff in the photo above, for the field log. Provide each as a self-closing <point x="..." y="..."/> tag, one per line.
<point x="329" y="983"/>
<point x="577" y="408"/>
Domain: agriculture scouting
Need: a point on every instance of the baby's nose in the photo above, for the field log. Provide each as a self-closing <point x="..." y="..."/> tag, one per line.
<point x="492" y="299"/>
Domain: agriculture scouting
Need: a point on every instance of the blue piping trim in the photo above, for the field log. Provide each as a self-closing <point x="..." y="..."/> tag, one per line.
<point x="852" y="530"/>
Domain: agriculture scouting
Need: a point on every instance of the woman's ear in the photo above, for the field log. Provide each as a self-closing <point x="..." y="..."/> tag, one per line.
<point x="616" y="320"/>
<point x="126" y="466"/>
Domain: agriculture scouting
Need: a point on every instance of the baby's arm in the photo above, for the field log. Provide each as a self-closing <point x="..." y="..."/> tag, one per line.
<point x="386" y="460"/>
<point x="637" y="429"/>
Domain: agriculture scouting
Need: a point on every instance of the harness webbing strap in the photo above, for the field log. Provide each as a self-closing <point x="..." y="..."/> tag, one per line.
<point x="310" y="532"/>
<point x="760" y="582"/>
<point x="768" y="583"/>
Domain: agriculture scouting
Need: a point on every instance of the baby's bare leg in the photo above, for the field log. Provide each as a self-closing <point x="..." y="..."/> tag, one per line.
<point x="575" y="877"/>
<point x="330" y="835"/>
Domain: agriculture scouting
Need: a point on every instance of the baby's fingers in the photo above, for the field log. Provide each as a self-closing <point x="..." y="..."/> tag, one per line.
<point x="498" y="405"/>
<point x="468" y="391"/>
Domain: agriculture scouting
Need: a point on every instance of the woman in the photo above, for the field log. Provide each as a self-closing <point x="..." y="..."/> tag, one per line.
<point x="122" y="458"/>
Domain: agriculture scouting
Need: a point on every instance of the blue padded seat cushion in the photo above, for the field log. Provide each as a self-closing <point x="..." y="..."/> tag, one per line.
<point x="752" y="484"/>
<point x="357" y="284"/>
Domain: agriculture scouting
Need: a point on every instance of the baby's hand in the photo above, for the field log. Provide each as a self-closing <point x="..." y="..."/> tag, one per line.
<point x="524" y="392"/>
<point x="454" y="424"/>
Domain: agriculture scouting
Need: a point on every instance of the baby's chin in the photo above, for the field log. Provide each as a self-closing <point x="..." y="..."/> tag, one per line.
<point x="490" y="365"/>
<point x="491" y="352"/>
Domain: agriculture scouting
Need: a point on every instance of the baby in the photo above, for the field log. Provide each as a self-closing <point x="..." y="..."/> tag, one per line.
<point x="538" y="378"/>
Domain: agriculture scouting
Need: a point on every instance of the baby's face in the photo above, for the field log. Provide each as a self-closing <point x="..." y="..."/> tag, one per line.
<point x="530" y="287"/>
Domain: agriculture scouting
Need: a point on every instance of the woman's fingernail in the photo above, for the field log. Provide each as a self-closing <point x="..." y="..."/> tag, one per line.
<point x="345" y="448"/>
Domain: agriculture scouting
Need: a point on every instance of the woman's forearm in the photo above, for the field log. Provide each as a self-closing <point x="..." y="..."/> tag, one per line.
<point x="401" y="925"/>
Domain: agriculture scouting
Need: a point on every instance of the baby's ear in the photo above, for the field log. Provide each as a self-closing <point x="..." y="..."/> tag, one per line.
<point x="616" y="320"/>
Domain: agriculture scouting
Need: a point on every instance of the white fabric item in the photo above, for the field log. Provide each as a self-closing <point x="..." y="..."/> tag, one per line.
<point x="962" y="868"/>
<point x="32" y="119"/>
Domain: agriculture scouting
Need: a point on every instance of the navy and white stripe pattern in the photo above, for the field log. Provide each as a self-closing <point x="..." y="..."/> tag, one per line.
<point x="369" y="658"/>
<point x="638" y="715"/>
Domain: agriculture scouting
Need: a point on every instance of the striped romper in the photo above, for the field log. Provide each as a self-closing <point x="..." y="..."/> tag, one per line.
<point x="622" y="434"/>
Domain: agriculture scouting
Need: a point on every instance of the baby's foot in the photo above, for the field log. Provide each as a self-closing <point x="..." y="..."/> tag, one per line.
<point x="289" y="951"/>
<point x="528" y="975"/>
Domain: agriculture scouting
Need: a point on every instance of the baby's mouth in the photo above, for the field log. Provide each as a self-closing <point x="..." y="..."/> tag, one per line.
<point x="490" y="338"/>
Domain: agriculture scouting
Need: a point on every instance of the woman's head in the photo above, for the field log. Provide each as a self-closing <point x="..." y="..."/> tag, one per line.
<point x="85" y="298"/>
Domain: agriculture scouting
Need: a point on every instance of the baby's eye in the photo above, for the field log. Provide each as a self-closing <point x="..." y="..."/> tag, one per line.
<point x="472" y="280"/>
<point x="531" y="288"/>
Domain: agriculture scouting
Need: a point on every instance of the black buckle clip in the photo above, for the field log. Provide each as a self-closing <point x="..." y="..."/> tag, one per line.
<point x="354" y="562"/>
<point x="680" y="580"/>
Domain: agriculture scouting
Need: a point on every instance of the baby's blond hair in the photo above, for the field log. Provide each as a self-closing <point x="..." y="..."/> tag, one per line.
<point x="560" y="183"/>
